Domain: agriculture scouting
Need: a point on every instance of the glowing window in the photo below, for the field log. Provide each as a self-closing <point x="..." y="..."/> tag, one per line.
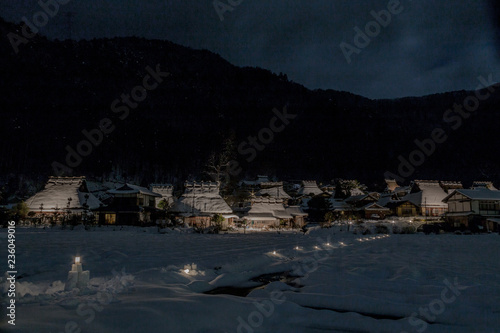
<point x="110" y="218"/>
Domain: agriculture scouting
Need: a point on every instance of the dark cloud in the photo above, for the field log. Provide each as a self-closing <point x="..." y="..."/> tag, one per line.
<point x="432" y="46"/>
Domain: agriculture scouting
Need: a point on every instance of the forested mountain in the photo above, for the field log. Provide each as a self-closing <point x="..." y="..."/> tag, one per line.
<point x="53" y="90"/>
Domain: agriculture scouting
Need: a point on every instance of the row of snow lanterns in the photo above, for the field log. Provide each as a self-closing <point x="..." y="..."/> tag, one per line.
<point x="297" y="248"/>
<point x="367" y="239"/>
<point x="316" y="247"/>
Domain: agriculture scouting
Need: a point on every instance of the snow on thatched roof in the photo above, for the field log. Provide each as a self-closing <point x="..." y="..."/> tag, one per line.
<point x="402" y="190"/>
<point x="388" y="199"/>
<point x="339" y="205"/>
<point x="392" y="184"/>
<point x="267" y="209"/>
<point x="430" y="194"/>
<point x="201" y="199"/>
<point x="99" y="190"/>
<point x="275" y="191"/>
<point x="165" y="190"/>
<point x="309" y="187"/>
<point x="133" y="189"/>
<point x="357" y="198"/>
<point x="357" y="191"/>
<point x="350" y="187"/>
<point x="295" y="211"/>
<point x="58" y="191"/>
<point x="483" y="184"/>
<point x="449" y="186"/>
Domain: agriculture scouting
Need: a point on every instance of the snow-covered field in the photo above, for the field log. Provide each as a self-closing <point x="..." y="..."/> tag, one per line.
<point x="345" y="282"/>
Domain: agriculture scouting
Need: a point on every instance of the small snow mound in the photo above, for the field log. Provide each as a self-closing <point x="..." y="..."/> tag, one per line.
<point x="28" y="288"/>
<point x="121" y="282"/>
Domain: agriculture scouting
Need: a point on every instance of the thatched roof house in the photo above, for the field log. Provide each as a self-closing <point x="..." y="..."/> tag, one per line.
<point x="309" y="188"/>
<point x="62" y="193"/>
<point x="265" y="212"/>
<point x="428" y="195"/>
<point x="274" y="190"/>
<point x="200" y="202"/>
<point x="165" y="190"/>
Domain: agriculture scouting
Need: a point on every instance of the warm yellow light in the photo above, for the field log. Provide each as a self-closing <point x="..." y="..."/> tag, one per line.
<point x="77" y="260"/>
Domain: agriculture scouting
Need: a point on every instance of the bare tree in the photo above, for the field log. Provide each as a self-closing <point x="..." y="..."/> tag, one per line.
<point x="218" y="164"/>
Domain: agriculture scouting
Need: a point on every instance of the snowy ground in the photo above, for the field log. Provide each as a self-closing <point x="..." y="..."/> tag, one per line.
<point x="349" y="283"/>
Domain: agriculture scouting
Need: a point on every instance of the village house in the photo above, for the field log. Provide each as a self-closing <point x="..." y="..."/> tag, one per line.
<point x="348" y="187"/>
<point x="474" y="208"/>
<point x="298" y="216"/>
<point x="131" y="205"/>
<point x="392" y="185"/>
<point x="273" y="190"/>
<point x="398" y="207"/>
<point x="449" y="186"/>
<point x="428" y="196"/>
<point x="403" y="208"/>
<point x="270" y="212"/>
<point x="395" y="189"/>
<point x="100" y="191"/>
<point x="63" y="195"/>
<point x="328" y="188"/>
<point x="254" y="184"/>
<point x="483" y="184"/>
<point x="166" y="191"/>
<point x="309" y="188"/>
<point x="200" y="202"/>
<point x="340" y="207"/>
<point x="366" y="206"/>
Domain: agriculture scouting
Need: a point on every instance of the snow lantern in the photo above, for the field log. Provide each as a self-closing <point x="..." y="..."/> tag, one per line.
<point x="77" y="277"/>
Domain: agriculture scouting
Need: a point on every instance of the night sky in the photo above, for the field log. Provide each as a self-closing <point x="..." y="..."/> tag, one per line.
<point x="431" y="46"/>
